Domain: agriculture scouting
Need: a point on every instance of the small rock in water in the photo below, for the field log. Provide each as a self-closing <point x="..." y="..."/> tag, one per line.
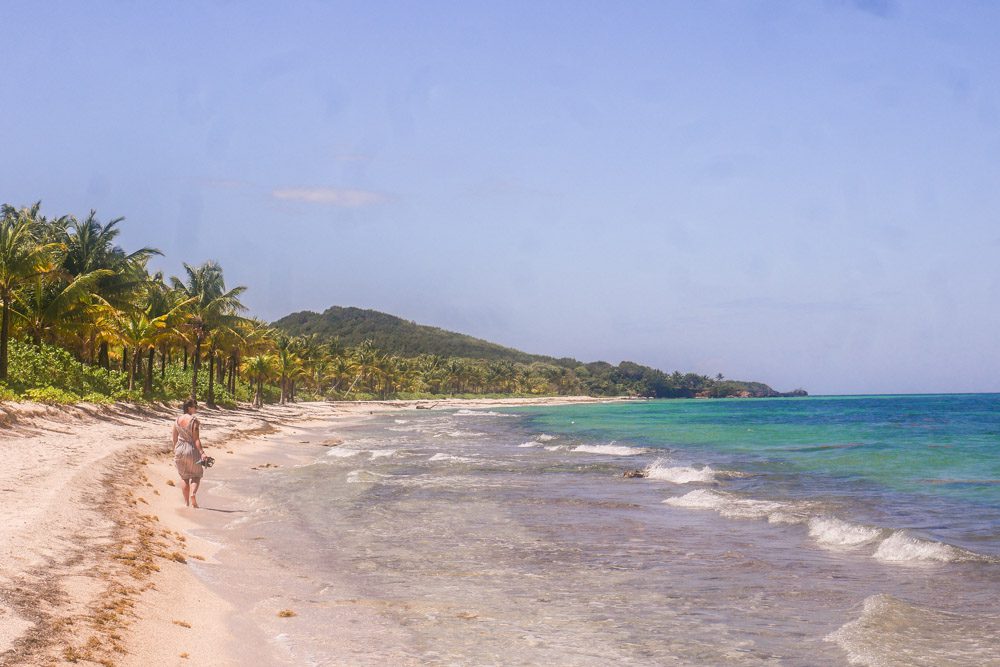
<point x="633" y="474"/>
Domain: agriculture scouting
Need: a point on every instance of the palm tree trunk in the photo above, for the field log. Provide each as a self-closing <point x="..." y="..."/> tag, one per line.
<point x="148" y="389"/>
<point x="163" y="362"/>
<point x="4" y="333"/>
<point x="211" y="378"/>
<point x="195" y="362"/>
<point x="185" y="357"/>
<point x="128" y="365"/>
<point x="103" y="358"/>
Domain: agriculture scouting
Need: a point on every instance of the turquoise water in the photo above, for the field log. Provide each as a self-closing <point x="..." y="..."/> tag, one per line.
<point x="793" y="532"/>
<point x="930" y="463"/>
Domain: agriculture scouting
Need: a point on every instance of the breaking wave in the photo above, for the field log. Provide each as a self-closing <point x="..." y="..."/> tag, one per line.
<point x="732" y="506"/>
<point x="902" y="548"/>
<point x="679" y="474"/>
<point x="341" y="453"/>
<point x="440" y="456"/>
<point x="383" y="453"/>
<point x="482" y="413"/>
<point x="834" y="532"/>
<point x="891" y="631"/>
<point x="898" y="547"/>
<point x="610" y="450"/>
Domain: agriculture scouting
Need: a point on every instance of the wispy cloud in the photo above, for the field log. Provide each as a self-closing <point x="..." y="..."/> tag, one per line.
<point x="880" y="8"/>
<point x="345" y="197"/>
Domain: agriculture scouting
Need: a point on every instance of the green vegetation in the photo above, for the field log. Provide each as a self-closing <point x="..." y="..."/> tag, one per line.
<point x="81" y="319"/>
<point x="353" y="326"/>
<point x="394" y="356"/>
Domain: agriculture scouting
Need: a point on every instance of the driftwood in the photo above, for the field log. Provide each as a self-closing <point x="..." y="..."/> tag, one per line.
<point x="633" y="474"/>
<point x="422" y="406"/>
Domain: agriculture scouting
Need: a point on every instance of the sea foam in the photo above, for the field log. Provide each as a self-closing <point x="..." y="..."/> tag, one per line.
<point x="730" y="506"/>
<point x="482" y="413"/>
<point x="902" y="548"/>
<point x="341" y="453"/>
<point x="831" y="531"/>
<point x="382" y="453"/>
<point x="890" y="631"/>
<point x="679" y="474"/>
<point x="610" y="450"/>
<point x="440" y="456"/>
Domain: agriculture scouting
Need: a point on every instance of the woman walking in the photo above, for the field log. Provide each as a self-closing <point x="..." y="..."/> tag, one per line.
<point x="188" y="452"/>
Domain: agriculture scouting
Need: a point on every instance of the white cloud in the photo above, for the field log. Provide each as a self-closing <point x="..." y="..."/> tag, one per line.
<point x="335" y="196"/>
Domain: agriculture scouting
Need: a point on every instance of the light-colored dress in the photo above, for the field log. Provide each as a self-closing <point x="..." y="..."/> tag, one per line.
<point x="186" y="454"/>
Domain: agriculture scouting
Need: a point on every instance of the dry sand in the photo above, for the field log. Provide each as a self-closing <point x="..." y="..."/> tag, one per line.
<point x="95" y="543"/>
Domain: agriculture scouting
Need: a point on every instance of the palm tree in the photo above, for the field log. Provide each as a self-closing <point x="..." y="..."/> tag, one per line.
<point x="45" y="305"/>
<point x="287" y="364"/>
<point x="212" y="306"/>
<point x="140" y="331"/>
<point x="259" y="368"/>
<point x="24" y="256"/>
<point x="90" y="246"/>
<point x="366" y="362"/>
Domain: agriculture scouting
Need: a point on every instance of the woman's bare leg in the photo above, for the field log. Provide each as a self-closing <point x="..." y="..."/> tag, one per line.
<point x="186" y="490"/>
<point x="194" y="492"/>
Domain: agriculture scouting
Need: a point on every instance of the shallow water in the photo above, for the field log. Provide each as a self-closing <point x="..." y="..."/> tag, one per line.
<point x="767" y="533"/>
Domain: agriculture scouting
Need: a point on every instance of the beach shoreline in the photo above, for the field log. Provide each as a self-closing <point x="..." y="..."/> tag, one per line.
<point x="98" y="550"/>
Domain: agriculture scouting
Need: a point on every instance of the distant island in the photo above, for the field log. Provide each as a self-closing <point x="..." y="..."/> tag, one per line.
<point x="440" y="362"/>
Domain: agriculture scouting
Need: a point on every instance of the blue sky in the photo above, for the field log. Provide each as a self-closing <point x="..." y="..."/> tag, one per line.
<point x="804" y="193"/>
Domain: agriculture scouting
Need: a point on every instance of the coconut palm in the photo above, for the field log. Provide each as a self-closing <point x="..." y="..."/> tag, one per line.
<point x="260" y="368"/>
<point x="90" y="246"/>
<point x="24" y="256"/>
<point x="212" y="306"/>
<point x="46" y="305"/>
<point x="288" y="364"/>
<point x="139" y="331"/>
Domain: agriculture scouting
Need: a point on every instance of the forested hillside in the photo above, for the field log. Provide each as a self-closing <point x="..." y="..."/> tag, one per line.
<point x="353" y="326"/>
<point x="449" y="362"/>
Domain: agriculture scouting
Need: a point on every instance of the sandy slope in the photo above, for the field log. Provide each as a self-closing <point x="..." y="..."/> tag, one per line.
<point x="95" y="545"/>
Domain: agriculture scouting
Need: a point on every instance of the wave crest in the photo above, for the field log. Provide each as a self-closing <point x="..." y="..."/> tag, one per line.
<point x="679" y="474"/>
<point x="834" y="532"/>
<point x="902" y="548"/>
<point x="610" y="450"/>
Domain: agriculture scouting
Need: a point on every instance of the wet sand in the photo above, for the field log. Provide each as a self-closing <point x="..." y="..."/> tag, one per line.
<point x="97" y="548"/>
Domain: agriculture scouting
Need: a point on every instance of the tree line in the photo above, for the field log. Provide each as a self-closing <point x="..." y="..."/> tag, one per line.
<point x="83" y="318"/>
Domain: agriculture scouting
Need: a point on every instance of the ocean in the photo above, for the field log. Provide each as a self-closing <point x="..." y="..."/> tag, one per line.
<point x="808" y="531"/>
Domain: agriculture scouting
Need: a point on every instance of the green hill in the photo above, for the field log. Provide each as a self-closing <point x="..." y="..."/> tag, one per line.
<point x="399" y="336"/>
<point x="404" y="338"/>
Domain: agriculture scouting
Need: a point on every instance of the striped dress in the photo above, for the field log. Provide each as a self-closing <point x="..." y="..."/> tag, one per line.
<point x="185" y="453"/>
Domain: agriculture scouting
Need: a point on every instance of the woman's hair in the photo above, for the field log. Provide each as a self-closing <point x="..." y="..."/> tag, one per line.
<point x="188" y="404"/>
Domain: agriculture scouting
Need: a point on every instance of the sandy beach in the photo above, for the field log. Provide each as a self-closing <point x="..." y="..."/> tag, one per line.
<point x="96" y="544"/>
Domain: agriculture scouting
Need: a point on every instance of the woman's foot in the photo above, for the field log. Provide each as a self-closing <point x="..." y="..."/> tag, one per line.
<point x="194" y="502"/>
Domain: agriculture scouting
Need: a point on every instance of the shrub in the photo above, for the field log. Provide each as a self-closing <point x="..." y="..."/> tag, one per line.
<point x="93" y="397"/>
<point x="128" y="396"/>
<point x="51" y="395"/>
<point x="45" y="366"/>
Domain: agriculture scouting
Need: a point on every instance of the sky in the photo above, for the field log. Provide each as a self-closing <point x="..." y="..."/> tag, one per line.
<point x="801" y="193"/>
